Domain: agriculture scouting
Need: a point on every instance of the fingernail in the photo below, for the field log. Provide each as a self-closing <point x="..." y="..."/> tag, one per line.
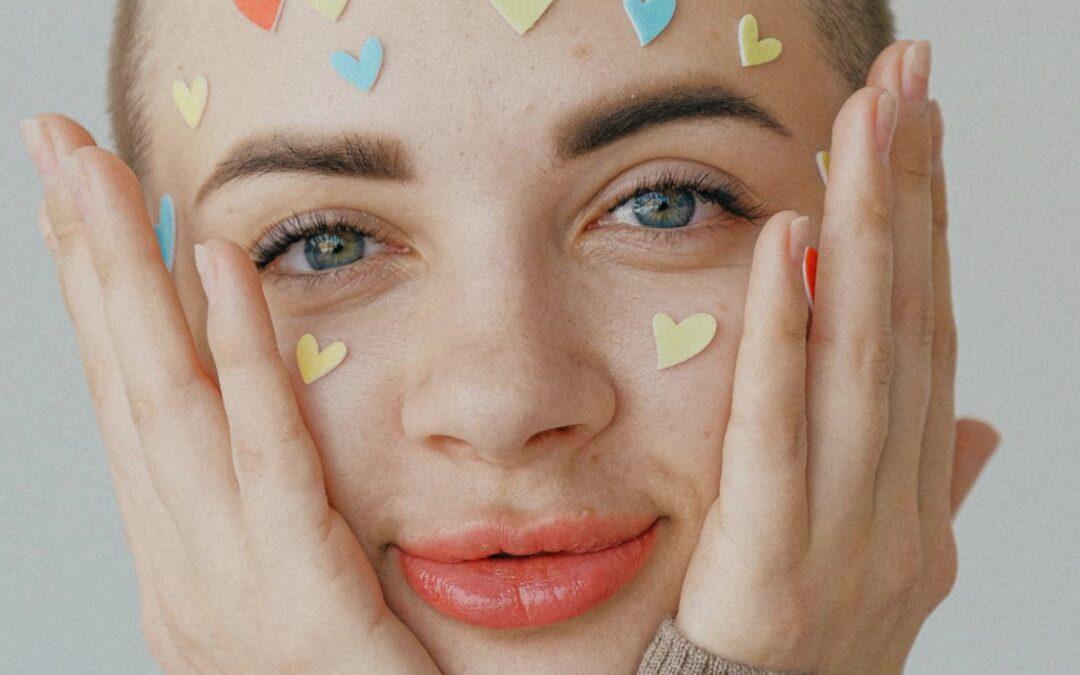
<point x="916" y="77"/>
<point x="798" y="239"/>
<point x="39" y="146"/>
<point x="809" y="273"/>
<point x="204" y="263"/>
<point x="75" y="176"/>
<point x="887" y="113"/>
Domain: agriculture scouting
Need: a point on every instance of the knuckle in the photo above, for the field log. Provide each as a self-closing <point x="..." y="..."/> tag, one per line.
<point x="876" y="216"/>
<point x="875" y="354"/>
<point x="765" y="432"/>
<point x="257" y="458"/>
<point x="168" y="395"/>
<point x="913" y="315"/>
<point x="916" y="169"/>
<point x="782" y="331"/>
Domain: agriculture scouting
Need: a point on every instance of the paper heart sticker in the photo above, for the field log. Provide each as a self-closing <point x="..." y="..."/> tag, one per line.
<point x="361" y="72"/>
<point x="191" y="101"/>
<point x="315" y="364"/>
<point x="676" y="343"/>
<point x="753" y="50"/>
<point x="823" y="160"/>
<point x="650" y="17"/>
<point x="331" y="9"/>
<point x="809" y="273"/>
<point x="522" y="14"/>
<point x="262" y="13"/>
<point x="165" y="230"/>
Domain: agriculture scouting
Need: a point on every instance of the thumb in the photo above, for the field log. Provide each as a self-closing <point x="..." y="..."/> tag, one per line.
<point x="976" y="441"/>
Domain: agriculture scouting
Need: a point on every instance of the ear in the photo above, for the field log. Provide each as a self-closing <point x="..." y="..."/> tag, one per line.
<point x="976" y="441"/>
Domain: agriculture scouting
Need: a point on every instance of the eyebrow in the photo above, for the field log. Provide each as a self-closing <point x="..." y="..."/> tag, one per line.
<point x="595" y="129"/>
<point x="348" y="156"/>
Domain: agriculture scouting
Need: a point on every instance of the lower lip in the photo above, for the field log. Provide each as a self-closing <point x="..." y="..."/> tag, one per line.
<point x="531" y="590"/>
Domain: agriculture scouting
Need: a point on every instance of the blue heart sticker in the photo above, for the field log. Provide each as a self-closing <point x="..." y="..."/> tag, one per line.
<point x="650" y="17"/>
<point x="165" y="230"/>
<point x="361" y="72"/>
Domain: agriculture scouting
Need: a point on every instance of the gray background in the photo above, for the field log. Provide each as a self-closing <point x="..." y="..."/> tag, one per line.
<point x="1008" y="78"/>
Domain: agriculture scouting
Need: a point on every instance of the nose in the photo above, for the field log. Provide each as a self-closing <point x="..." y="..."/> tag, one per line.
<point x="507" y="392"/>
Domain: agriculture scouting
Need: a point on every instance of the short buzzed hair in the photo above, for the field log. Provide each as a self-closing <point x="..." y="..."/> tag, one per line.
<point x="854" y="32"/>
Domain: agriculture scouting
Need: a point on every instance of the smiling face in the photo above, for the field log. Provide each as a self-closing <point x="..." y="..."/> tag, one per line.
<point x="529" y="204"/>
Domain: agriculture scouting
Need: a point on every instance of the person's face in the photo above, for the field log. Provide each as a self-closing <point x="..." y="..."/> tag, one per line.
<point x="501" y="359"/>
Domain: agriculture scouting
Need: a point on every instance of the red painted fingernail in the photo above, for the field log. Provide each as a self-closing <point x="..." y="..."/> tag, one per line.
<point x="809" y="272"/>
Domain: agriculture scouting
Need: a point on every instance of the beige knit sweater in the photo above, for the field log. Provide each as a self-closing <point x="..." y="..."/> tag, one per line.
<point x="672" y="654"/>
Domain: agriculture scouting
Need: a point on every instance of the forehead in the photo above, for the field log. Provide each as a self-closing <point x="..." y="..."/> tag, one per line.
<point x="455" y="73"/>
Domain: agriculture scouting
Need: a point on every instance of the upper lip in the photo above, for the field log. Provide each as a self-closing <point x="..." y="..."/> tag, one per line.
<point x="581" y="533"/>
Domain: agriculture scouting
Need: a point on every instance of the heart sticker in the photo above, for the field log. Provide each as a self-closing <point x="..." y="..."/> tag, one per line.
<point x="522" y="14"/>
<point x="823" y="159"/>
<point x="361" y="72"/>
<point x="165" y="230"/>
<point x="262" y="13"/>
<point x="315" y="364"/>
<point x="682" y="342"/>
<point x="331" y="9"/>
<point x="650" y="17"/>
<point x="753" y="50"/>
<point x="191" y="101"/>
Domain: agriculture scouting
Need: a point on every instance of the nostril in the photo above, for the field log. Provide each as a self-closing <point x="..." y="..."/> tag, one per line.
<point x="553" y="433"/>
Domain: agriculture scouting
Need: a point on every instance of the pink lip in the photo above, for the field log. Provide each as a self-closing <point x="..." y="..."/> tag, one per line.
<point x="565" y="567"/>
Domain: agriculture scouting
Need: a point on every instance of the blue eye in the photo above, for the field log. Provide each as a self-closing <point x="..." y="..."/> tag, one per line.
<point x="664" y="208"/>
<point x="335" y="248"/>
<point x="674" y="201"/>
<point x="316" y="242"/>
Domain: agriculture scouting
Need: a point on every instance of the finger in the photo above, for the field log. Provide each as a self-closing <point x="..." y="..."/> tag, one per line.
<point x="763" y="478"/>
<point x="897" y="487"/>
<point x="49" y="139"/>
<point x="278" y="470"/>
<point x="976" y="442"/>
<point x="175" y="408"/>
<point x="850" y="346"/>
<point x="53" y="138"/>
<point x="887" y="65"/>
<point x="936" y="466"/>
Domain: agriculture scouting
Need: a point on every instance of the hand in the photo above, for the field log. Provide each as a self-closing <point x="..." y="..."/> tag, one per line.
<point x="831" y="540"/>
<point x="243" y="565"/>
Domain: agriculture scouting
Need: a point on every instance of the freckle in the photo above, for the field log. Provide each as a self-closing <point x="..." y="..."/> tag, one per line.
<point x="594" y="458"/>
<point x="580" y="51"/>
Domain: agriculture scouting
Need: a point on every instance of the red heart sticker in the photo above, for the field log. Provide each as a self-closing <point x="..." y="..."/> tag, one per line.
<point x="809" y="271"/>
<point x="262" y="13"/>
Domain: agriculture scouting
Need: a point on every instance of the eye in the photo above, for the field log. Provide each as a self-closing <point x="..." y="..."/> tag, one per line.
<point x="318" y="242"/>
<point x="326" y="250"/>
<point x="664" y="209"/>
<point x="674" y="200"/>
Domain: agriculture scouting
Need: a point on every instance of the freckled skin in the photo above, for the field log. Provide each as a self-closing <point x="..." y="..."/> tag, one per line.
<point x="496" y="330"/>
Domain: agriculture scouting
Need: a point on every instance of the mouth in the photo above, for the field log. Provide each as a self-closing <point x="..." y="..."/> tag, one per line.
<point x="497" y="576"/>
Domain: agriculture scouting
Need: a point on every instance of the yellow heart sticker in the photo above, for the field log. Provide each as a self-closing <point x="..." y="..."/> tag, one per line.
<point x="754" y="51"/>
<point x="678" y="343"/>
<point x="191" y="100"/>
<point x="315" y="364"/>
<point x="522" y="14"/>
<point x="823" y="159"/>
<point x="331" y="9"/>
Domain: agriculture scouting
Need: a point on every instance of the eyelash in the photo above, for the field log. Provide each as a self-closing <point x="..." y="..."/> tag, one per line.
<point x="298" y="227"/>
<point x="724" y="192"/>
